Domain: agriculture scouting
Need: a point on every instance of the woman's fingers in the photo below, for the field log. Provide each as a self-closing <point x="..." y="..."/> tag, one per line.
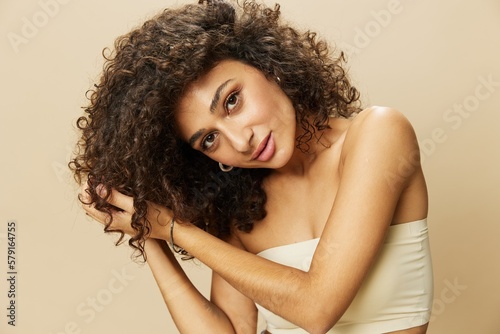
<point x="95" y="214"/>
<point x="83" y="193"/>
<point x="121" y="217"/>
<point x="121" y="221"/>
<point x="117" y="199"/>
<point x="158" y="216"/>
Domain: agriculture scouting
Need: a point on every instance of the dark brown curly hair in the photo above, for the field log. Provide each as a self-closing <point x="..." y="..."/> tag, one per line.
<point x="129" y="140"/>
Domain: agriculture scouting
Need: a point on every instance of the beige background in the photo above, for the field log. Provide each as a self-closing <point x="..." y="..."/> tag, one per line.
<point x="426" y="58"/>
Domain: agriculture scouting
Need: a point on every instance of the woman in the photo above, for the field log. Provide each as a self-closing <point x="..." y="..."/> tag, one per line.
<point x="332" y="199"/>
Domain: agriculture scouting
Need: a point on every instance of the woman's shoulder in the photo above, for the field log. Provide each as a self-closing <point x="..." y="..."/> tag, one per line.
<point x="381" y="136"/>
<point x="377" y="123"/>
<point x="379" y="115"/>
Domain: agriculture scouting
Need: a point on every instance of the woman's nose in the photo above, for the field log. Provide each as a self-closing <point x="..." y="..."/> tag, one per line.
<point x="240" y="139"/>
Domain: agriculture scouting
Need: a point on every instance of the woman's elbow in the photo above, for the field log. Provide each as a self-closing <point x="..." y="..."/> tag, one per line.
<point x="321" y="319"/>
<point x="319" y="325"/>
<point x="320" y="309"/>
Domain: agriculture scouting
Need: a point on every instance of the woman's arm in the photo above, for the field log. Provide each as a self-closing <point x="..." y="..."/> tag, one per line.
<point x="190" y="310"/>
<point x="239" y="308"/>
<point x="228" y="312"/>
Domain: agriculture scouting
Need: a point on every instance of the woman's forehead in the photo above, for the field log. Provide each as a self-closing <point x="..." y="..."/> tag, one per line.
<point x="203" y="90"/>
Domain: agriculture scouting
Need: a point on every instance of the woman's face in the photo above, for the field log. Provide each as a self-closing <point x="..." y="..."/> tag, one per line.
<point x="236" y="116"/>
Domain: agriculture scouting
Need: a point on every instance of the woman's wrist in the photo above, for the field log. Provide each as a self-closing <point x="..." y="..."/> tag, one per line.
<point x="176" y="248"/>
<point x="154" y="246"/>
<point x="159" y="218"/>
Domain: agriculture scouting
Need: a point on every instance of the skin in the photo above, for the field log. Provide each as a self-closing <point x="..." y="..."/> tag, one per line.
<point x="249" y="109"/>
<point x="357" y="163"/>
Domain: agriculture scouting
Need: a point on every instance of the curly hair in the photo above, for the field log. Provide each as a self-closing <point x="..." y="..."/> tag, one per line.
<point x="129" y="139"/>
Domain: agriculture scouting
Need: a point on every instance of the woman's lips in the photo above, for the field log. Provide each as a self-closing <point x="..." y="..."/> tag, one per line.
<point x="266" y="148"/>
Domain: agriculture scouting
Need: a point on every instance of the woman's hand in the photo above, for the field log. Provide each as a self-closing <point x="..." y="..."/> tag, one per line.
<point x="158" y="216"/>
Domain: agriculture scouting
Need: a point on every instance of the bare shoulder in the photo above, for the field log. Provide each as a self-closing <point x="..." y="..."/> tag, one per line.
<point x="383" y="140"/>
<point x="380" y="128"/>
<point x="380" y="118"/>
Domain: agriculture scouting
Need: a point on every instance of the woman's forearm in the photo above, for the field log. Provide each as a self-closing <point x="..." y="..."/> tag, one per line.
<point x="276" y="287"/>
<point x="190" y="310"/>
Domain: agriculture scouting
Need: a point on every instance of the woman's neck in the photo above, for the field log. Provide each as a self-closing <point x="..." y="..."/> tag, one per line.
<point x="321" y="141"/>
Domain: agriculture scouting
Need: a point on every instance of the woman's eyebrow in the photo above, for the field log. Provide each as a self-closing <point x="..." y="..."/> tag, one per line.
<point x="195" y="137"/>
<point x="218" y="92"/>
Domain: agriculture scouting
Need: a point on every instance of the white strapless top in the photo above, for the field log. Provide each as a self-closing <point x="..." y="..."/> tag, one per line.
<point x="396" y="294"/>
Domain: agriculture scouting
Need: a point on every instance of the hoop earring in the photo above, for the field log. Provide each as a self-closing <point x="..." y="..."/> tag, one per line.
<point x="225" y="168"/>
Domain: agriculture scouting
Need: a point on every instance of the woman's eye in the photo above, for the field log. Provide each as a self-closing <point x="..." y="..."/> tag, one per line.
<point x="208" y="141"/>
<point x="231" y="102"/>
